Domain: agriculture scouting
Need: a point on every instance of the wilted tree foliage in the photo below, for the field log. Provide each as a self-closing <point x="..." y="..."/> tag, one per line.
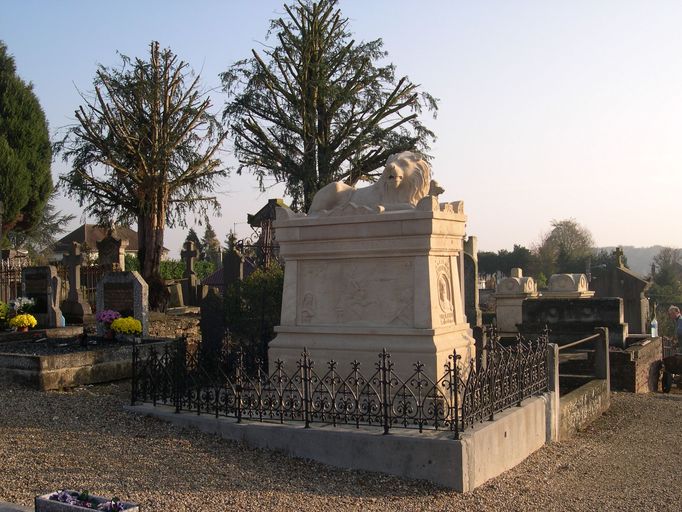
<point x="144" y="150"/>
<point x="318" y="107"/>
<point x="25" y="153"/>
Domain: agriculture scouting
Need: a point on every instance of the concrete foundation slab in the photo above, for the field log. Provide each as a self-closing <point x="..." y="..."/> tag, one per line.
<point x="481" y="453"/>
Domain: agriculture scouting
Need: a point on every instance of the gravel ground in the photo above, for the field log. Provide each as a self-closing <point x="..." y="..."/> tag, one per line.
<point x="630" y="459"/>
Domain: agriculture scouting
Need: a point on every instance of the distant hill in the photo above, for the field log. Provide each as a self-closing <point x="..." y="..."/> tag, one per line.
<point x="639" y="259"/>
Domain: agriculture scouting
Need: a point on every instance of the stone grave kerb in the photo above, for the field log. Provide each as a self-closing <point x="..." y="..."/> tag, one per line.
<point x="74" y="306"/>
<point x="123" y="291"/>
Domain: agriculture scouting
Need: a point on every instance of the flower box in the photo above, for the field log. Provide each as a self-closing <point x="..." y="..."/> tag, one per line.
<point x="48" y="503"/>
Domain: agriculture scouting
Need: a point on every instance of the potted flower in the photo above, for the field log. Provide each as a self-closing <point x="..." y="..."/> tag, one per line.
<point x="65" y="500"/>
<point x="23" y="322"/>
<point x="126" y="328"/>
<point x="4" y="315"/>
<point x="106" y="317"/>
<point x="21" y="305"/>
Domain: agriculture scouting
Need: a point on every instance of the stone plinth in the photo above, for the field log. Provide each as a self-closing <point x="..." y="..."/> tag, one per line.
<point x="509" y="296"/>
<point x="127" y="293"/>
<point x="43" y="285"/>
<point x="359" y="280"/>
<point x="568" y="286"/>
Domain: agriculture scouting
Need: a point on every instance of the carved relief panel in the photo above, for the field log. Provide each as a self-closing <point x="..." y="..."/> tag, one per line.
<point x="365" y="291"/>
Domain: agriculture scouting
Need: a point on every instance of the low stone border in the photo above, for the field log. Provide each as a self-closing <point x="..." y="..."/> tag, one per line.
<point x="482" y="452"/>
<point x="63" y="371"/>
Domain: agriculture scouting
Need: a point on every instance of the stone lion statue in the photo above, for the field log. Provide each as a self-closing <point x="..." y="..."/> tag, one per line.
<point x="405" y="180"/>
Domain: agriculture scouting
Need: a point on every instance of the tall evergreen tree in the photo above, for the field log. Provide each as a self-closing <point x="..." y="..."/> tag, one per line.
<point x="25" y="153"/>
<point x="211" y="245"/>
<point x="145" y="150"/>
<point x="318" y="107"/>
<point x="193" y="237"/>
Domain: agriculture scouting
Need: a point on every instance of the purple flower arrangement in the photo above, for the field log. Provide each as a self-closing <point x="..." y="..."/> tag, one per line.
<point x="83" y="499"/>
<point x="107" y="316"/>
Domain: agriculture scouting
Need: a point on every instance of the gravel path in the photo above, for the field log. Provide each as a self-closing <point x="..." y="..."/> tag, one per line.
<point x="630" y="459"/>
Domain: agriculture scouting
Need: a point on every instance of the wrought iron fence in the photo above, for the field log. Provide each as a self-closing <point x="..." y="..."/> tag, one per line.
<point x="90" y="276"/>
<point x="382" y="396"/>
<point x="10" y="278"/>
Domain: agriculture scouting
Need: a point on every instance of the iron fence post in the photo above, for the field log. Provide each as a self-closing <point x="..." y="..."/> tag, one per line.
<point x="520" y="367"/>
<point x="305" y="382"/>
<point x="238" y="385"/>
<point x="178" y="374"/>
<point x="491" y="384"/>
<point x="454" y="393"/>
<point x="133" y="394"/>
<point x="383" y="373"/>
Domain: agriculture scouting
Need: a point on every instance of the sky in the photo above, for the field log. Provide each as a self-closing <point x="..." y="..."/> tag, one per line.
<point x="548" y="110"/>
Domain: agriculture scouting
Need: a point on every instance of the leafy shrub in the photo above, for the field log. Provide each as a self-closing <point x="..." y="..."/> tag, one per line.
<point x="253" y="310"/>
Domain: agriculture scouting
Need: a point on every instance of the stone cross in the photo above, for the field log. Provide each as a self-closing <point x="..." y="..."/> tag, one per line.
<point x="74" y="307"/>
<point x="189" y="254"/>
<point x="73" y="260"/>
<point x="189" y="286"/>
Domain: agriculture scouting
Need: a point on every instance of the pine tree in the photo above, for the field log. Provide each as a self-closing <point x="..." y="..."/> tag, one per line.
<point x="149" y="128"/>
<point x="193" y="237"/>
<point x="25" y="153"/>
<point x="317" y="107"/>
<point x="211" y="245"/>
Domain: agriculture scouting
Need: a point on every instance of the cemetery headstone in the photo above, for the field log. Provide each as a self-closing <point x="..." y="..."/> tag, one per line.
<point x="471" y="307"/>
<point x="616" y="280"/>
<point x="43" y="286"/>
<point x="189" y="255"/>
<point x="111" y="252"/>
<point x="570" y="319"/>
<point x="567" y="286"/>
<point x="176" y="298"/>
<point x="212" y="325"/>
<point x="74" y="307"/>
<point x="127" y="293"/>
<point x="509" y="296"/>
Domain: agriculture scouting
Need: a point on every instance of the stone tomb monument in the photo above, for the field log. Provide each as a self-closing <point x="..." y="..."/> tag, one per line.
<point x="509" y="296"/>
<point x="75" y="307"/>
<point x="43" y="286"/>
<point x="383" y="272"/>
<point x="127" y="293"/>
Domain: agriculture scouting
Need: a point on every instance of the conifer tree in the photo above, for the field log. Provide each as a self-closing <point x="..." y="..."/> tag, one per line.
<point x="317" y="106"/>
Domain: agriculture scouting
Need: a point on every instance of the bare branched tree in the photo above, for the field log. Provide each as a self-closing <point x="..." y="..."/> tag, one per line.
<point x="144" y="150"/>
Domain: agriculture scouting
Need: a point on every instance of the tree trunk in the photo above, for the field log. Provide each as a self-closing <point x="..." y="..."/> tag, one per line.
<point x="150" y="241"/>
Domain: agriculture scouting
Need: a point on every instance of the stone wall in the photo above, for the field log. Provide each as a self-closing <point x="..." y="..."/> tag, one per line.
<point x="636" y="368"/>
<point x="581" y="407"/>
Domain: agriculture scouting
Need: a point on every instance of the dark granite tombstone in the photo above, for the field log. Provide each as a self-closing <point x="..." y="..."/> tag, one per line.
<point x="572" y="319"/>
<point x="43" y="286"/>
<point x="212" y="325"/>
<point x="127" y="293"/>
<point x="74" y="307"/>
<point x="471" y="307"/>
<point x="189" y="289"/>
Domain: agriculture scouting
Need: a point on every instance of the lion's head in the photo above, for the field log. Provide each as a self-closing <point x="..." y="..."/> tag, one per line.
<point x="405" y="179"/>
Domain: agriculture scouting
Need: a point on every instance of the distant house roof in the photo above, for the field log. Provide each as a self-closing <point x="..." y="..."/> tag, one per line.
<point x="90" y="234"/>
